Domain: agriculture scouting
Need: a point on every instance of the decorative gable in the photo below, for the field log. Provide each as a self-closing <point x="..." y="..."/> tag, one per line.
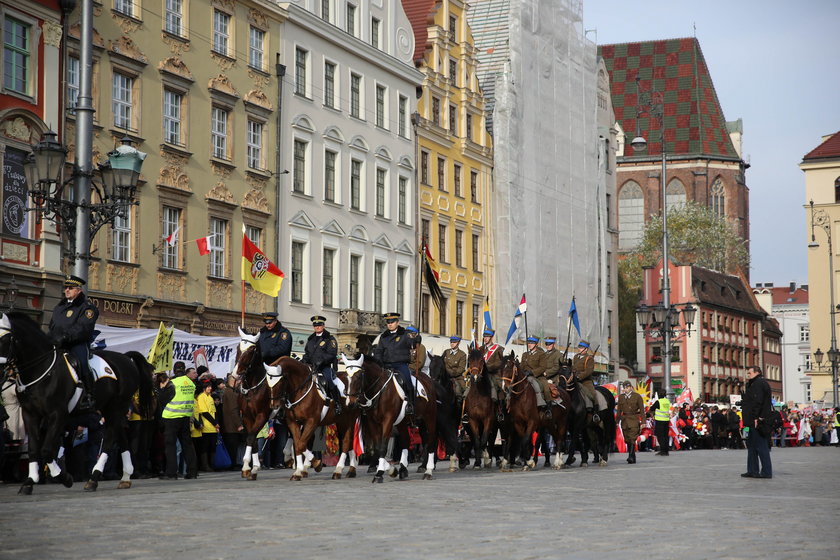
<point x="359" y="143"/>
<point x="334" y="133"/>
<point x="405" y="249"/>
<point x="303" y="122"/>
<point x="333" y="228"/>
<point x="128" y="53"/>
<point x="301" y="220"/>
<point x="359" y="233"/>
<point x="258" y="101"/>
<point x="383" y="242"/>
<point x="223" y="88"/>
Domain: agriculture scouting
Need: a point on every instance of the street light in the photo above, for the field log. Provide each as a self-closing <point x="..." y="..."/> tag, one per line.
<point x="821" y="218"/>
<point x="11" y="294"/>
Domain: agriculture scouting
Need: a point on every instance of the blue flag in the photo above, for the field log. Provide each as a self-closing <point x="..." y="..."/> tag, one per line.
<point x="573" y="316"/>
<point x="487" y="323"/>
<point x="517" y="317"/>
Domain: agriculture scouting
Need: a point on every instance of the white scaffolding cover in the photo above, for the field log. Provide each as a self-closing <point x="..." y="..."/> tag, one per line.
<point x="539" y="72"/>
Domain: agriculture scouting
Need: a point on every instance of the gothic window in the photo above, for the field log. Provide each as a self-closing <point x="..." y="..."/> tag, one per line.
<point x="717" y="198"/>
<point x="631" y="220"/>
<point x="676" y="195"/>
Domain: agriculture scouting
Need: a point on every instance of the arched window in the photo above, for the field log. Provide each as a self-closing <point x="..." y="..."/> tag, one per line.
<point x="837" y="190"/>
<point x="676" y="194"/>
<point x="631" y="219"/>
<point x="717" y="198"/>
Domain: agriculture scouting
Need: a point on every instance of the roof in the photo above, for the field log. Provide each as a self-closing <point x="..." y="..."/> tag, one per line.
<point x="771" y="326"/>
<point x="830" y="148"/>
<point x="723" y="290"/>
<point x="419" y="14"/>
<point x="783" y="296"/>
<point x="694" y="122"/>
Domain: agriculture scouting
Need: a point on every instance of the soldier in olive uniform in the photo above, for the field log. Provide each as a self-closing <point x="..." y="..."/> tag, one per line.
<point x="321" y="353"/>
<point x="493" y="360"/>
<point x="552" y="364"/>
<point x="71" y="329"/>
<point x="532" y="365"/>
<point x="631" y="412"/>
<point x="275" y="340"/>
<point x="394" y="351"/>
<point x="455" y="363"/>
<point x="583" y="365"/>
<point x="419" y="357"/>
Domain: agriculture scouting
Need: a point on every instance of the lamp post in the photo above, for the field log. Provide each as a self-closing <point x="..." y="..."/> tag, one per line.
<point x="11" y="294"/>
<point x="821" y="218"/>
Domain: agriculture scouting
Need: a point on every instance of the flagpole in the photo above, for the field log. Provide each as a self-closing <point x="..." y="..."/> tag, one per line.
<point x="420" y="266"/>
<point x="525" y="318"/>
<point x="242" y="318"/>
<point x="569" y="335"/>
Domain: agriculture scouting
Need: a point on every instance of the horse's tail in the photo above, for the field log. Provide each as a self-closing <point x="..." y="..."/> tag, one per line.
<point x="144" y="383"/>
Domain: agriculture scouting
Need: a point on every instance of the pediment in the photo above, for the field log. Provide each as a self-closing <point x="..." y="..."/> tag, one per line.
<point x="126" y="48"/>
<point x="255" y="200"/>
<point x="259" y="99"/>
<point x="301" y="220"/>
<point x="406" y="163"/>
<point x="222" y="84"/>
<point x="334" y="133"/>
<point x="359" y="143"/>
<point x="359" y="233"/>
<point x="333" y="228"/>
<point x="97" y="38"/>
<point x="303" y="122"/>
<point x="383" y="153"/>
<point x="405" y="249"/>
<point x="221" y="193"/>
<point x="384" y="242"/>
<point x="176" y="67"/>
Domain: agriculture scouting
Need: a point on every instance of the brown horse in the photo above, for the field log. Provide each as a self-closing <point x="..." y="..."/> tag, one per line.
<point x="478" y="406"/>
<point x="374" y="390"/>
<point x="525" y="418"/>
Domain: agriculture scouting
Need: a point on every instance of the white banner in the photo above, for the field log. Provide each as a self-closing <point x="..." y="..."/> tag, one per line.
<point x="219" y="350"/>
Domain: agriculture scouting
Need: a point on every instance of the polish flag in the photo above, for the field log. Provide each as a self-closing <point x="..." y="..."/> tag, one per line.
<point x="172" y="238"/>
<point x="203" y="245"/>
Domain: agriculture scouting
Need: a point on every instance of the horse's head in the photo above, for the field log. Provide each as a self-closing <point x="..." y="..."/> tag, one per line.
<point x="510" y="372"/>
<point x="475" y="363"/>
<point x="21" y="336"/>
<point x="437" y="369"/>
<point x="248" y="363"/>
<point x="355" y="377"/>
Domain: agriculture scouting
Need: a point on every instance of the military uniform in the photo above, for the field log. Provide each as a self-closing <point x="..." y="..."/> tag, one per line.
<point x="418" y="358"/>
<point x="583" y="365"/>
<point x="321" y="352"/>
<point x="532" y="363"/>
<point x="552" y="360"/>
<point x="631" y="410"/>
<point x="455" y="363"/>
<point x="274" y="342"/>
<point x="394" y="351"/>
<point x="493" y="361"/>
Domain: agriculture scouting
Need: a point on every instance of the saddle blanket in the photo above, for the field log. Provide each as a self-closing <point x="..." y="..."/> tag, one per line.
<point x="419" y="389"/>
<point x="338" y="383"/>
<point x="98" y="366"/>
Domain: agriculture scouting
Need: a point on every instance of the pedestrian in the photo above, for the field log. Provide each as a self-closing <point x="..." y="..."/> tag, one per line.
<point x="661" y="410"/>
<point x="756" y="407"/>
<point x="177" y="396"/>
<point x="631" y="412"/>
<point x="208" y="427"/>
<point x="233" y="431"/>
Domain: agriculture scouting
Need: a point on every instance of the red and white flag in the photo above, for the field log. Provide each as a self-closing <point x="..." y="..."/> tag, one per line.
<point x="203" y="245"/>
<point x="172" y="238"/>
<point x="685" y="397"/>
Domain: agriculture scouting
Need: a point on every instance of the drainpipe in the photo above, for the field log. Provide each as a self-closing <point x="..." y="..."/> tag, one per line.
<point x="280" y="71"/>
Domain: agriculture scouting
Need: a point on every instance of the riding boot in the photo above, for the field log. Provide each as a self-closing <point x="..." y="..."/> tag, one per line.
<point x="336" y="397"/>
<point x="546" y="411"/>
<point x="86" y="402"/>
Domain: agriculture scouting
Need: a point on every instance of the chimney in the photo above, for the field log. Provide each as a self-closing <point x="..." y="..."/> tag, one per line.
<point x="792" y="287"/>
<point x="768" y="285"/>
<point x="804" y="287"/>
<point x="758" y="285"/>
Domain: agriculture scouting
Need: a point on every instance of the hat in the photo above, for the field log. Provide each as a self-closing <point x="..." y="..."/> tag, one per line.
<point x="583" y="343"/>
<point x="533" y="339"/>
<point x="391" y="316"/>
<point x="318" y="320"/>
<point x="489" y="332"/>
<point x="201" y="369"/>
<point x="73" y="282"/>
<point x="626" y="384"/>
<point x="550" y="340"/>
<point x="411" y="329"/>
<point x="269" y="316"/>
<point x="454" y="338"/>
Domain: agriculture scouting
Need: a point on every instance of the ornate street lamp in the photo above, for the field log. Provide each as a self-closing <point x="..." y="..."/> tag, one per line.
<point x="821" y="218"/>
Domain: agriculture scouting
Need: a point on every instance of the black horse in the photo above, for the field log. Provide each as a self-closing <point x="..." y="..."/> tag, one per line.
<point x="448" y="413"/>
<point x="583" y="432"/>
<point x="48" y="394"/>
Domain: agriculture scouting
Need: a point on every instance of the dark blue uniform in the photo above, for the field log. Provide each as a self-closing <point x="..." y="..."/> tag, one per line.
<point x="275" y="343"/>
<point x="321" y="352"/>
<point x="71" y="329"/>
<point x="394" y="350"/>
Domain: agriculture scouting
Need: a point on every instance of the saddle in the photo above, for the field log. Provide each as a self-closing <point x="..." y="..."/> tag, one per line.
<point x="554" y="391"/>
<point x="419" y="389"/>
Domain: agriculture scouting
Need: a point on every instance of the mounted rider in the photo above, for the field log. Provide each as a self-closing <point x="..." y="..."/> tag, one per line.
<point x="583" y="366"/>
<point x="532" y="365"/>
<point x="275" y="340"/>
<point x="394" y="351"/>
<point x="419" y="356"/>
<point x="455" y="363"/>
<point x="321" y="353"/>
<point x="71" y="330"/>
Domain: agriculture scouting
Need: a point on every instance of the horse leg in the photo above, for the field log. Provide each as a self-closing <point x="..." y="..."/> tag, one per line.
<point x="430" y="465"/>
<point x="477" y="439"/>
<point x="250" y="446"/>
<point x="299" y="448"/>
<point x="339" y="467"/>
<point x="354" y="462"/>
<point x="381" y="446"/>
<point x="96" y="474"/>
<point x="128" y="470"/>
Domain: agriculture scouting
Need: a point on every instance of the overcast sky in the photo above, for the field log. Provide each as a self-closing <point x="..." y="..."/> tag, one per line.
<point x="776" y="65"/>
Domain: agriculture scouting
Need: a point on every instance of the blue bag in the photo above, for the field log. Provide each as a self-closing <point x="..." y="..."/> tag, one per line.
<point x="222" y="459"/>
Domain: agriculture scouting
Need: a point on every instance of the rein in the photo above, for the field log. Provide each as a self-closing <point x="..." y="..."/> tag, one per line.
<point x="17" y="367"/>
<point x="511" y="384"/>
<point x="311" y="379"/>
<point x="370" y="400"/>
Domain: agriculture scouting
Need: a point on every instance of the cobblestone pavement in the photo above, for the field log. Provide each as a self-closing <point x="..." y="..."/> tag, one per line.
<point x="689" y="505"/>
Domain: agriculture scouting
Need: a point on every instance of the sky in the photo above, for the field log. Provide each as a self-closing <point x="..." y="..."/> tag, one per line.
<point x="776" y="65"/>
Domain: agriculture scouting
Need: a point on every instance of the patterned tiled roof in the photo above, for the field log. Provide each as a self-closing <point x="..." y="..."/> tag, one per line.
<point x="418" y="12"/>
<point x="828" y="149"/>
<point x="723" y="290"/>
<point x="694" y="122"/>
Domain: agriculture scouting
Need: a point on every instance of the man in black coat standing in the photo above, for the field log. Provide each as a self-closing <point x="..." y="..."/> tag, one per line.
<point x="756" y="407"/>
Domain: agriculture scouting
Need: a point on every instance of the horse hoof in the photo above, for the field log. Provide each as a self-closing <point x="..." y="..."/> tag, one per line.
<point x="602" y="463"/>
<point x="295" y="477"/>
<point x="392" y="472"/>
<point x="253" y="476"/>
<point x="584" y="464"/>
<point x="336" y="476"/>
<point x="351" y="473"/>
<point x="531" y="464"/>
<point x="91" y="486"/>
<point x="67" y="479"/>
<point x="305" y="474"/>
<point x="124" y="485"/>
<point x="371" y="469"/>
<point x="563" y="466"/>
<point x="26" y="489"/>
<point x="421" y="469"/>
<point x="403" y="473"/>
<point x="427" y="476"/>
<point x="570" y="461"/>
<point x="453" y="469"/>
<point x="378" y="477"/>
<point x="317" y="465"/>
<point x="246" y="474"/>
<point x="477" y="466"/>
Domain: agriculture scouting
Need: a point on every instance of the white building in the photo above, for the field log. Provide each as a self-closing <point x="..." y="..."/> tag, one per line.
<point x="789" y="306"/>
<point x="346" y="219"/>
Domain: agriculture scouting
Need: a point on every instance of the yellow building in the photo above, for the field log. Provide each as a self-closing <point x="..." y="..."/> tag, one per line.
<point x="455" y="160"/>
<point x="822" y="187"/>
<point x="194" y="85"/>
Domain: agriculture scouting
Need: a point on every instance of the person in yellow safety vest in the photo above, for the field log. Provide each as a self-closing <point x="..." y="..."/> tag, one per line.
<point x="837" y="423"/>
<point x="661" y="410"/>
<point x="178" y="396"/>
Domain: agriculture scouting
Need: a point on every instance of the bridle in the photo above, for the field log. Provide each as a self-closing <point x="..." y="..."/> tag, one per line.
<point x="360" y="394"/>
<point x="12" y="368"/>
<point x="509" y="383"/>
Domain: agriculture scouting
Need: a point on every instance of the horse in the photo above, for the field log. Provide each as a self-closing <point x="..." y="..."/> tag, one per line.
<point x="479" y="408"/>
<point x="374" y="390"/>
<point x="524" y="417"/>
<point x="448" y="413"/>
<point x="46" y="387"/>
<point x="582" y="430"/>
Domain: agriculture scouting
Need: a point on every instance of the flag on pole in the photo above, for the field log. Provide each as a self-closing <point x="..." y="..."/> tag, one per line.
<point x="573" y="316"/>
<point x="172" y="238"/>
<point x="431" y="274"/>
<point x="261" y="273"/>
<point x="203" y="245"/>
<point x="685" y="397"/>
<point x="487" y="323"/>
<point x="517" y="318"/>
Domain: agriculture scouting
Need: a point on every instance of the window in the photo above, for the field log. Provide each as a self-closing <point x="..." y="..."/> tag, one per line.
<point x="329" y="175"/>
<point x="221" y="32"/>
<point x="403" y="108"/>
<point x="299" y="180"/>
<point x="380" y="106"/>
<point x="453" y="120"/>
<point x="297" y="271"/>
<point x="675" y="195"/>
<point x="171" y="222"/>
<point x="374" y="33"/>
<point x="355" y="266"/>
<point x="468" y="121"/>
<point x="72" y="82"/>
<point x="218" y="132"/>
<point x="837" y="190"/>
<point x="444" y="320"/>
<point x="121" y="100"/>
<point x="255" y="145"/>
<point x="402" y="203"/>
<point x="325" y="10"/>
<point x="609" y="272"/>
<point x="459" y="318"/>
<point x="401" y="273"/>
<point x="424" y="167"/>
<point x="631" y="221"/>
<point x="425" y="230"/>
<point x="254" y="234"/>
<point x="453" y="26"/>
<point x="717" y="198"/>
<point x="173" y="19"/>
<point x="609" y="211"/>
<point x="378" y="274"/>
<point x="442" y="243"/>
<point x="172" y="103"/>
<point x="474" y="323"/>
<point x="351" y="19"/>
<point x="327" y="277"/>
<point x="355" y="95"/>
<point x="380" y="192"/>
<point x="459" y="248"/>
<point x="804" y="333"/>
<point x="300" y="71"/>
<point x="453" y="71"/>
<point x="218" y="236"/>
<point x="441" y="174"/>
<point x="121" y="240"/>
<point x="475" y="243"/>
<point x="125" y="7"/>
<point x="256" y="48"/>
<point x="473" y="185"/>
<point x="356" y="184"/>
<point x="436" y="110"/>
<point x="329" y="85"/>
<point x="456" y="170"/>
<point x="425" y="303"/>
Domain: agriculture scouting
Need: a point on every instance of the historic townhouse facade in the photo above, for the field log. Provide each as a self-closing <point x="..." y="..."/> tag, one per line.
<point x="346" y="214"/>
<point x="454" y="161"/>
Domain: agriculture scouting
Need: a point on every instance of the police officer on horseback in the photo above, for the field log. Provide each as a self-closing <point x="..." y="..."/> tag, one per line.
<point x="321" y="353"/>
<point x="394" y="351"/>
<point x="71" y="329"/>
<point x="275" y="340"/>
